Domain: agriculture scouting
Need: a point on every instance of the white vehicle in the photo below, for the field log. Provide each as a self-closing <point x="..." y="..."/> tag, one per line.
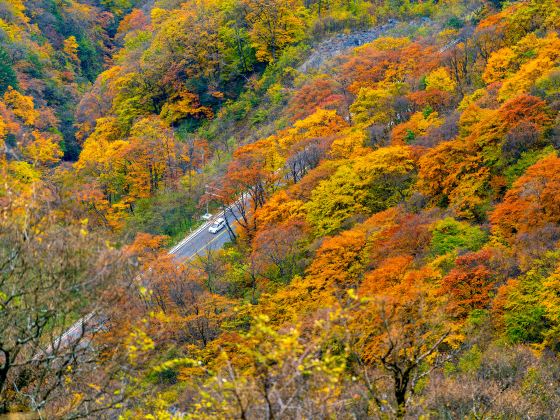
<point x="206" y="216"/>
<point x="218" y="225"/>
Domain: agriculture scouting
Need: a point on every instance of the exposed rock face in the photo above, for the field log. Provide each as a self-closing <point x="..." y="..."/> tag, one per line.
<point x="341" y="43"/>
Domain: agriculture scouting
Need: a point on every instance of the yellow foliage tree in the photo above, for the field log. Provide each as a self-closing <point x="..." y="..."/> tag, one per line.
<point x="349" y="144"/>
<point x="547" y="57"/>
<point x="499" y="65"/>
<point x="278" y="209"/>
<point x="43" y="151"/>
<point x="182" y="105"/>
<point x="21" y="105"/>
<point x="366" y="185"/>
<point x="3" y="134"/>
<point x="70" y="48"/>
<point x="441" y="80"/>
<point x="417" y="126"/>
<point x="275" y="24"/>
<point x="372" y="106"/>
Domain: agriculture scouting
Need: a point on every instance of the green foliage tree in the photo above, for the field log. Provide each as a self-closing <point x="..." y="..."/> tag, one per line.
<point x="7" y="74"/>
<point x="451" y="235"/>
<point x="365" y="185"/>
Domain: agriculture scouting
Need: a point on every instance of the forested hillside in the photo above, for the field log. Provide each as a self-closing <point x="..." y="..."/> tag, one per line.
<point x="391" y="172"/>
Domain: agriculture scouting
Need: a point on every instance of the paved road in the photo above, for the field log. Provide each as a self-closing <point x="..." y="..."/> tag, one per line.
<point x="200" y="241"/>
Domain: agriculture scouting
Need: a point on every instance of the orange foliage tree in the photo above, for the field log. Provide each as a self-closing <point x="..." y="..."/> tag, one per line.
<point x="470" y="284"/>
<point x="532" y="202"/>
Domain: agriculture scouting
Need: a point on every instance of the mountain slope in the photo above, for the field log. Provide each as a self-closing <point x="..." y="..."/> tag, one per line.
<point x="396" y="219"/>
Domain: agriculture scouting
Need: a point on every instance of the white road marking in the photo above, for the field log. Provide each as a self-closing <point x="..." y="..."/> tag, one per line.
<point x="196" y="232"/>
<point x="218" y="236"/>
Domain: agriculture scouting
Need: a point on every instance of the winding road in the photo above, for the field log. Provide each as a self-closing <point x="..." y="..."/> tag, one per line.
<point x="201" y="240"/>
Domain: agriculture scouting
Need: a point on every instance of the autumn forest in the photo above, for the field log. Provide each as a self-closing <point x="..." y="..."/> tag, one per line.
<point x="280" y="209"/>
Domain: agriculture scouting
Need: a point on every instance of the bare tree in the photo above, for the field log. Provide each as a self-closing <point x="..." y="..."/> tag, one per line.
<point x="50" y="276"/>
<point x="303" y="160"/>
<point x="399" y="344"/>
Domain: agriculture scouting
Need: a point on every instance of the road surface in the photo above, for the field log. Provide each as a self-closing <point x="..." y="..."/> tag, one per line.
<point x="200" y="241"/>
